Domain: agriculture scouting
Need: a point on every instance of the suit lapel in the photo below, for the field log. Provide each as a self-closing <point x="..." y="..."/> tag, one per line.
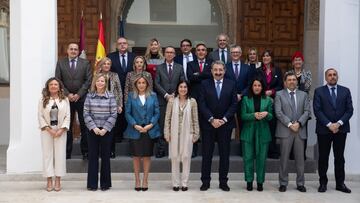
<point x="327" y="93"/>
<point x="67" y="67"/>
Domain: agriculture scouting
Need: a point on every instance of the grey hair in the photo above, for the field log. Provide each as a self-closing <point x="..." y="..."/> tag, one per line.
<point x="222" y="34"/>
<point x="218" y="62"/>
<point x="234" y="46"/>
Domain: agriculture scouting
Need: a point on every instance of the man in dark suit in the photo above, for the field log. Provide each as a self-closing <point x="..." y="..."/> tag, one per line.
<point x="197" y="71"/>
<point x="217" y="105"/>
<point x="333" y="109"/>
<point x="222" y="53"/>
<point x="121" y="63"/>
<point x="186" y="56"/>
<point x="167" y="77"/>
<point x="76" y="75"/>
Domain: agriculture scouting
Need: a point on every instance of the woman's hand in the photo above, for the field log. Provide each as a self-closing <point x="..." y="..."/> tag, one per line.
<point x="96" y="131"/>
<point x="119" y="110"/>
<point x="139" y="128"/>
<point x="268" y="92"/>
<point x="59" y="132"/>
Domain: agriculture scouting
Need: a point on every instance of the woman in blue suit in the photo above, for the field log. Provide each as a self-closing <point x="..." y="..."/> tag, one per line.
<point x="142" y="114"/>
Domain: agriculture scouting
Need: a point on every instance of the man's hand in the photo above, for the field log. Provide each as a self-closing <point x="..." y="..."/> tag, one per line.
<point x="71" y="97"/>
<point x="239" y="96"/>
<point x="76" y="97"/>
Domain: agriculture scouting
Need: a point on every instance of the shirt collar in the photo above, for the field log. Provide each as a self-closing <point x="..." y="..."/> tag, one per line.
<point x="167" y="64"/>
<point x="189" y="55"/>
<point x="331" y="86"/>
<point x="76" y="59"/>
<point x="126" y="53"/>
<point x="221" y="81"/>
<point x="291" y="91"/>
<point x="236" y="62"/>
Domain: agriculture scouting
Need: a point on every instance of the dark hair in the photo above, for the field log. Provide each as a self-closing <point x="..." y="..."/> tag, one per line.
<point x="268" y="51"/>
<point x="185" y="40"/>
<point x="288" y="74"/>
<point x="188" y="87"/>
<point x="170" y="47"/>
<point x="200" y="44"/>
<point x="329" y="69"/>
<point x="251" y="92"/>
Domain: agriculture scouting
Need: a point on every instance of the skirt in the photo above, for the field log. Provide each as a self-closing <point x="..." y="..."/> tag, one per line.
<point x="144" y="146"/>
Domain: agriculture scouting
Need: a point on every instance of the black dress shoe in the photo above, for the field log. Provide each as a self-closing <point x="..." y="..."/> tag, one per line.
<point x="144" y="189"/>
<point x="204" y="187"/>
<point x="194" y="154"/>
<point x="322" y="188"/>
<point x="249" y="186"/>
<point x="282" y="188"/>
<point x="184" y="188"/>
<point x="92" y="189"/>
<point x="68" y="156"/>
<point x="160" y="155"/>
<point x="137" y="189"/>
<point x="176" y="189"/>
<point x="85" y="156"/>
<point x="301" y="188"/>
<point x="260" y="187"/>
<point x="112" y="155"/>
<point x="343" y="188"/>
<point x="224" y="187"/>
<point x="105" y="188"/>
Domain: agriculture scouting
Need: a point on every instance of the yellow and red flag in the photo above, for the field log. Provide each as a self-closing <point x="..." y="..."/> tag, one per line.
<point x="100" y="49"/>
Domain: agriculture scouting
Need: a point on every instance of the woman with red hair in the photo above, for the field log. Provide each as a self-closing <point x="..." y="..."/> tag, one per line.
<point x="303" y="76"/>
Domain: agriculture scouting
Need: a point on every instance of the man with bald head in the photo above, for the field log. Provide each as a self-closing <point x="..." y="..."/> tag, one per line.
<point x="333" y="109"/>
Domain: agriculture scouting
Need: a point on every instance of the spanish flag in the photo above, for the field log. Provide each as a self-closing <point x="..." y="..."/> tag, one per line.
<point x="100" y="49"/>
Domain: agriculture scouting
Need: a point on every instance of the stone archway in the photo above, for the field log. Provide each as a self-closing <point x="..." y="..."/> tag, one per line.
<point x="227" y="8"/>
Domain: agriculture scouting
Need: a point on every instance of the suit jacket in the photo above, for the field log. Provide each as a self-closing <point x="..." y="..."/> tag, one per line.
<point x="138" y="114"/>
<point x="195" y="77"/>
<point x="214" y="55"/>
<point x="77" y="82"/>
<point x="245" y="76"/>
<point x="163" y="84"/>
<point x="211" y="106"/>
<point x="284" y="110"/>
<point x="116" y="65"/>
<point x="180" y="58"/>
<point x="325" y="111"/>
<point x="255" y="128"/>
<point x="276" y="83"/>
<point x="63" y="113"/>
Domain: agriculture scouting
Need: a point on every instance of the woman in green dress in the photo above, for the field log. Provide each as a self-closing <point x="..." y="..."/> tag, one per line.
<point x="256" y="112"/>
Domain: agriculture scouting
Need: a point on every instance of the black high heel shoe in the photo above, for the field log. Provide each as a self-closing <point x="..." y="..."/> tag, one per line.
<point x="138" y="189"/>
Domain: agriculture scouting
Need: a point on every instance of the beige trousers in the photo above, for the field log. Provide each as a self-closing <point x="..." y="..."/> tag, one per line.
<point x="54" y="154"/>
<point x="178" y="178"/>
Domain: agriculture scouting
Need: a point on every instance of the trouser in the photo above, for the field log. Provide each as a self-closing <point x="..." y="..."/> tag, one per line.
<point x="161" y="143"/>
<point x="118" y="130"/>
<point x="177" y="178"/>
<point x="222" y="136"/>
<point x="99" y="144"/>
<point x="79" y="108"/>
<point x="285" y="148"/>
<point x="251" y="152"/>
<point x="338" y="142"/>
<point x="53" y="153"/>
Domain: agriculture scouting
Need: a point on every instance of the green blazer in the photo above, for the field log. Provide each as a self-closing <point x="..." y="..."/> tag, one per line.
<point x="252" y="127"/>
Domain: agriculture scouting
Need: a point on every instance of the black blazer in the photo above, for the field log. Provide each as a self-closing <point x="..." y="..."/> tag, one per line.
<point x="195" y="77"/>
<point x="326" y="112"/>
<point x="276" y="83"/>
<point x="180" y="58"/>
<point x="116" y="65"/>
<point x="211" y="106"/>
<point x="244" y="80"/>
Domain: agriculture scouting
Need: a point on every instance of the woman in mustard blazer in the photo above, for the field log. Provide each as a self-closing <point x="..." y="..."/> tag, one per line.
<point x="256" y="111"/>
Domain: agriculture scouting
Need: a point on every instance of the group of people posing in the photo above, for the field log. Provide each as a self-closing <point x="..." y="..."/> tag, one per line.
<point x="161" y="100"/>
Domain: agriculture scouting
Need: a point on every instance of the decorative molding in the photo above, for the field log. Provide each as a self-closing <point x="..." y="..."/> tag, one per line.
<point x="313" y="12"/>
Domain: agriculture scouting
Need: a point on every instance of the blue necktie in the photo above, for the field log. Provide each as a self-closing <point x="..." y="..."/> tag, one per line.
<point x="236" y="70"/>
<point x="218" y="89"/>
<point x="333" y="96"/>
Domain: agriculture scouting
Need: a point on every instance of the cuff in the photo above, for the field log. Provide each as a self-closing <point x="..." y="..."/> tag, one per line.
<point x="210" y="119"/>
<point x="289" y="124"/>
<point x="340" y="122"/>
<point x="166" y="94"/>
<point x="225" y="119"/>
<point x="328" y="125"/>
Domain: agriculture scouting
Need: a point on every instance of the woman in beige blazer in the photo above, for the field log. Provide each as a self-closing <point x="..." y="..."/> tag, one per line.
<point x="54" y="121"/>
<point x="181" y="130"/>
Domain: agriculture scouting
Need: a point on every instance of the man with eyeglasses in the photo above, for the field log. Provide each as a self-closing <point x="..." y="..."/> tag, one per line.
<point x="76" y="75"/>
<point x="186" y="55"/>
<point x="197" y="71"/>
<point x="168" y="75"/>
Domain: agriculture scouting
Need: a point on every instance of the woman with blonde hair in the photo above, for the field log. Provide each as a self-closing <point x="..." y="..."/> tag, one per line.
<point x="100" y="112"/>
<point x="54" y="122"/>
<point x="142" y="114"/>
<point x="138" y="67"/>
<point x="252" y="58"/>
<point x="153" y="56"/>
<point x="114" y="87"/>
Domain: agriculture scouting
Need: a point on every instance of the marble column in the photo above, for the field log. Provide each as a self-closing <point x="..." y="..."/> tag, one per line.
<point x="33" y="55"/>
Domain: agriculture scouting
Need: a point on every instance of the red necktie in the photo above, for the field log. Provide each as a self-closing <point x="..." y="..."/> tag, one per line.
<point x="201" y="66"/>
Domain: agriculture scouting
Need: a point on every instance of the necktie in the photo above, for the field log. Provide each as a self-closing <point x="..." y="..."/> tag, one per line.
<point x="170" y="71"/>
<point x="333" y="96"/>
<point x="201" y="66"/>
<point x="72" y="66"/>
<point x="218" y="89"/>
<point x="293" y="105"/>
<point x="123" y="62"/>
<point x="223" y="55"/>
<point x="236" y="70"/>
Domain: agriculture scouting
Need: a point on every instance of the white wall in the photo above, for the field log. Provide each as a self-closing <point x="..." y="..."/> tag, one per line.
<point x="339" y="48"/>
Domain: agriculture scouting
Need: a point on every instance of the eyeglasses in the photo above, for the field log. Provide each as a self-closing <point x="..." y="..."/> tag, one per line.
<point x="169" y="52"/>
<point x="186" y="45"/>
<point x="73" y="49"/>
<point x="236" y="52"/>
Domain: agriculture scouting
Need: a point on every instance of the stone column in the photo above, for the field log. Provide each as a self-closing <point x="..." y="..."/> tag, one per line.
<point x="33" y="55"/>
<point x="339" y="48"/>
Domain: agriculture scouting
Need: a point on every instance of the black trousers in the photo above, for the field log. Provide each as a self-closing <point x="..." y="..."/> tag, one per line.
<point x="222" y="136"/>
<point x="338" y="142"/>
<point x="99" y="145"/>
<point x="118" y="130"/>
<point x="79" y="108"/>
<point x="161" y="143"/>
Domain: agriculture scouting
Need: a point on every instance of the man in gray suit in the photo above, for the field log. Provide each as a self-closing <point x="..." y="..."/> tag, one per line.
<point x="76" y="75"/>
<point x="292" y="109"/>
<point x="222" y="53"/>
<point x="167" y="77"/>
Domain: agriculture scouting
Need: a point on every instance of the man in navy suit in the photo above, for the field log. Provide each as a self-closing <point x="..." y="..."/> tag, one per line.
<point x="121" y="63"/>
<point x="333" y="109"/>
<point x="186" y="55"/>
<point x="217" y="105"/>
